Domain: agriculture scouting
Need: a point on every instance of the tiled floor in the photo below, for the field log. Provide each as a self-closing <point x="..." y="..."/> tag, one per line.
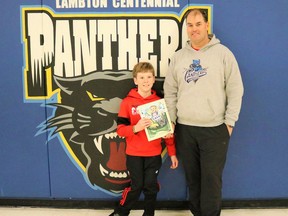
<point x="27" y="211"/>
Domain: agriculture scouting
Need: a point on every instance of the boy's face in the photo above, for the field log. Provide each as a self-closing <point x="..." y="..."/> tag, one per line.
<point x="144" y="81"/>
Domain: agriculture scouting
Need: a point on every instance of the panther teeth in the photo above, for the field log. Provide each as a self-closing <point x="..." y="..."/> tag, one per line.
<point x="113" y="174"/>
<point x="98" y="141"/>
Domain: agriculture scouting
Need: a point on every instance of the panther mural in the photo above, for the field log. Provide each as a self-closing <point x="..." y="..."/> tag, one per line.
<point x="85" y="117"/>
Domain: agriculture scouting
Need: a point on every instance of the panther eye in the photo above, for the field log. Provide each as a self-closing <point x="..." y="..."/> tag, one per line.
<point x="94" y="97"/>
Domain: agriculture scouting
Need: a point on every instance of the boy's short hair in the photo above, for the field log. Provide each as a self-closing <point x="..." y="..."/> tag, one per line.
<point x="143" y="67"/>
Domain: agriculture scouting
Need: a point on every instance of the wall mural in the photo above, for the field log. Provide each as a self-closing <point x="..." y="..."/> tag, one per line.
<point x="79" y="66"/>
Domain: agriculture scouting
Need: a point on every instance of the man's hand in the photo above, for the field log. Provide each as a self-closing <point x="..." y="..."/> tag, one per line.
<point x="230" y="129"/>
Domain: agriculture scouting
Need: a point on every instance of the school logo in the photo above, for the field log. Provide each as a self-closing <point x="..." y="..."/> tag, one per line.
<point x="81" y="70"/>
<point x="195" y="71"/>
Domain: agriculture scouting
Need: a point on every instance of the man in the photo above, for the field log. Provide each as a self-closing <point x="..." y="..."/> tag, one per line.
<point x="203" y="91"/>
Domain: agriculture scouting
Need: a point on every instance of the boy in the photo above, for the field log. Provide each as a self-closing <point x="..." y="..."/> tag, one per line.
<point x="143" y="157"/>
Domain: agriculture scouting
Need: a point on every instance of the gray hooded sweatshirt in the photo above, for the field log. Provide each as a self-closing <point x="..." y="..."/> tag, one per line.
<point x="204" y="88"/>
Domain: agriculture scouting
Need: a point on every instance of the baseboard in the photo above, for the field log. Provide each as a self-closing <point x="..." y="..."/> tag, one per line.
<point x="104" y="204"/>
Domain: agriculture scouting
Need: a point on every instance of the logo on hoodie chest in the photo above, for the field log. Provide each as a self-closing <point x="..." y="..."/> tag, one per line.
<point x="195" y="71"/>
<point x="134" y="110"/>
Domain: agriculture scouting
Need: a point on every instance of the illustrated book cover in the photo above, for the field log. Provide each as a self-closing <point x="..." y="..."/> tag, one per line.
<point x="157" y="112"/>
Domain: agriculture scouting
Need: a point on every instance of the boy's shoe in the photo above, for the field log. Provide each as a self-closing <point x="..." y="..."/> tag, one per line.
<point x="114" y="214"/>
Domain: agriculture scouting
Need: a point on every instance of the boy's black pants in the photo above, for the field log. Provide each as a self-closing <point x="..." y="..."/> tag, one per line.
<point x="143" y="172"/>
<point x="203" y="152"/>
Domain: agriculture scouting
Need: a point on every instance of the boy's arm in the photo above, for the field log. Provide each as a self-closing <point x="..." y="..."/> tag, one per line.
<point x="170" y="143"/>
<point x="170" y="146"/>
<point x="124" y="127"/>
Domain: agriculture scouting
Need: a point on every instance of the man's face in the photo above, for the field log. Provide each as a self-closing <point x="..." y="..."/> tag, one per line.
<point x="197" y="29"/>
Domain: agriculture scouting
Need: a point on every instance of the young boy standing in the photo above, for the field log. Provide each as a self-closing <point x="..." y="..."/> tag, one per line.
<point x="143" y="156"/>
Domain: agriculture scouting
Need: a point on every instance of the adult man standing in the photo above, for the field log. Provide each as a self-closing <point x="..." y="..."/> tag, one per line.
<point x="203" y="90"/>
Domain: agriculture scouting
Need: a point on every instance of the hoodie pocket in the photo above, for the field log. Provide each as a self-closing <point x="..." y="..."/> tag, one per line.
<point x="198" y="110"/>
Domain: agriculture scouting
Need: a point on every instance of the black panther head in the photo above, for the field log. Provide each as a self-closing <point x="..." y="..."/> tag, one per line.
<point x="86" y="115"/>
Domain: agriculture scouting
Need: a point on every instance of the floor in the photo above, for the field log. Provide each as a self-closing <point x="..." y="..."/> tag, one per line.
<point x="27" y="211"/>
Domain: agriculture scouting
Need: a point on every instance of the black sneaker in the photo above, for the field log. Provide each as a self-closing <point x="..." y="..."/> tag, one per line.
<point x="148" y="214"/>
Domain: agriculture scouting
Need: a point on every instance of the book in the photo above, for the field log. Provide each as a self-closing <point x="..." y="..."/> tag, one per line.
<point x="157" y="112"/>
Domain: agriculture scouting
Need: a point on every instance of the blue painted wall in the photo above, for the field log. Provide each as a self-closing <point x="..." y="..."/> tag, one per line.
<point x="256" y="31"/>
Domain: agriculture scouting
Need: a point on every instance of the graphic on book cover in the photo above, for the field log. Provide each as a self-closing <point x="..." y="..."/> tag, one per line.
<point x="157" y="112"/>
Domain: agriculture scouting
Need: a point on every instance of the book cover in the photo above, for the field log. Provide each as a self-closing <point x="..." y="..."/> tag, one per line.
<point x="157" y="112"/>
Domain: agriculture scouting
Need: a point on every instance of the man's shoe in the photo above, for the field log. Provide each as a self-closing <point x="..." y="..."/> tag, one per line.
<point x="145" y="214"/>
